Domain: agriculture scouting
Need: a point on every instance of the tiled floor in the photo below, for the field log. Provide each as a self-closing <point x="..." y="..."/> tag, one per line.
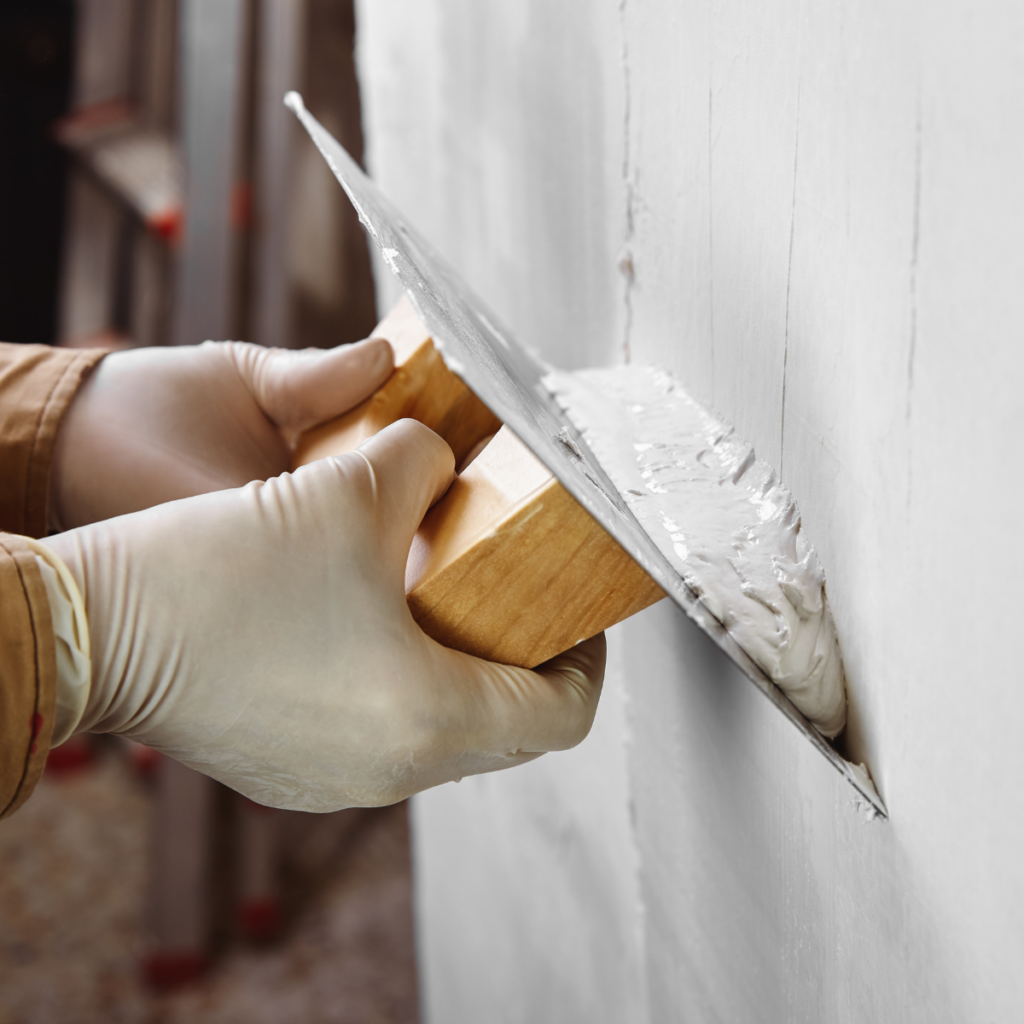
<point x="72" y="883"/>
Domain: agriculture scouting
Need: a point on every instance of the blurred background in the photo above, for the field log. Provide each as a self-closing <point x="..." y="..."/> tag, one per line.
<point x="112" y="110"/>
<point x="153" y="191"/>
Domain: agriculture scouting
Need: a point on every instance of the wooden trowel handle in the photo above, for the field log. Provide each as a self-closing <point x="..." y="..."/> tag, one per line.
<point x="507" y="565"/>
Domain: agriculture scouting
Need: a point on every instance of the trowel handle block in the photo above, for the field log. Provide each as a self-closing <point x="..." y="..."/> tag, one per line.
<point x="421" y="388"/>
<point x="510" y="567"/>
<point x="507" y="565"/>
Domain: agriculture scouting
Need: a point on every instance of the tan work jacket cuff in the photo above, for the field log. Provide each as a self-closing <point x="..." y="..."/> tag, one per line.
<point x="28" y="672"/>
<point x="37" y="384"/>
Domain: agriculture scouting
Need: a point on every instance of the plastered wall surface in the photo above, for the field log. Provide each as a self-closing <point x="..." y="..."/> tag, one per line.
<point x="811" y="213"/>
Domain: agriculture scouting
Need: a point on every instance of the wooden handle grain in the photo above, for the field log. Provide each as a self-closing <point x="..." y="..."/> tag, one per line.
<point x="507" y="565"/>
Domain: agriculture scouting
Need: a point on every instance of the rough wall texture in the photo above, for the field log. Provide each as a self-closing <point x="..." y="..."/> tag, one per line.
<point x="811" y="213"/>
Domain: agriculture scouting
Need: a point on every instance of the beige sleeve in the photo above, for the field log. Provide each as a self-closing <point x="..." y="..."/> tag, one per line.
<point x="28" y="670"/>
<point x="37" y="384"/>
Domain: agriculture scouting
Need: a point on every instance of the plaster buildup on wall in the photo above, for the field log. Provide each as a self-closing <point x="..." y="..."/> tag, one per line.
<point x="809" y="214"/>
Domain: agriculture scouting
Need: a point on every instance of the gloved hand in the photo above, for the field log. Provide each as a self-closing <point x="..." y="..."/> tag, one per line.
<point x="261" y="635"/>
<point x="151" y="425"/>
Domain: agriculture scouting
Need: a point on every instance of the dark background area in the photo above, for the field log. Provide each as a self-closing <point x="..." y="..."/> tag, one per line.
<point x="35" y="84"/>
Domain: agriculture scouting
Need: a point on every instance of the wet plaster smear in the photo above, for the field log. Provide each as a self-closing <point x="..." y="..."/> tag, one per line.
<point x="722" y="518"/>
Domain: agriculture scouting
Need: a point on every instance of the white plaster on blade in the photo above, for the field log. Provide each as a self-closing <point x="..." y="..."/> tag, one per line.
<point x="868" y="810"/>
<point x="391" y="259"/>
<point x="722" y="519"/>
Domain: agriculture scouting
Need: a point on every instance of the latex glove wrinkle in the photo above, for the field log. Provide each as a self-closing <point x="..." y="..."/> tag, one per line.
<point x="152" y="425"/>
<point x="261" y="635"/>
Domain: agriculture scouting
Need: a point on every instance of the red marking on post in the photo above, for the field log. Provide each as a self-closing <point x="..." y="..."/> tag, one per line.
<point x="167" y="224"/>
<point x="261" y="919"/>
<point x="173" y="968"/>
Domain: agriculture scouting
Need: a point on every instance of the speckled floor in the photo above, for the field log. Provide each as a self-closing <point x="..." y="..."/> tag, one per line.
<point x="72" y="885"/>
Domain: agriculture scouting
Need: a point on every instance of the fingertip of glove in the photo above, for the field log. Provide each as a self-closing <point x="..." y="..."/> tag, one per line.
<point x="379" y="355"/>
<point x="409" y="434"/>
<point x="370" y="361"/>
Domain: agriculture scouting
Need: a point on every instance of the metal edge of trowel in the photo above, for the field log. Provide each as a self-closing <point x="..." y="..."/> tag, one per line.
<point x="500" y="372"/>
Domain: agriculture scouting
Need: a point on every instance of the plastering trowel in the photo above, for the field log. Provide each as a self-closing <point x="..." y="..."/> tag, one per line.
<point x="517" y="388"/>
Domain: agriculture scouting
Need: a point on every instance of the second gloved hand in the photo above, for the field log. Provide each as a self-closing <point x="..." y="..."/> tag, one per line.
<point x="154" y="424"/>
<point x="261" y="635"/>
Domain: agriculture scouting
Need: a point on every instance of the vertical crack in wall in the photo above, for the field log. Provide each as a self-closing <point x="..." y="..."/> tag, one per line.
<point x="914" y="247"/>
<point x="789" y="276"/>
<point x="626" y="265"/>
<point x="628" y="271"/>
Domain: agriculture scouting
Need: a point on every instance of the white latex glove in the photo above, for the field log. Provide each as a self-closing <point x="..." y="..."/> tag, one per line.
<point x="151" y="425"/>
<point x="261" y="635"/>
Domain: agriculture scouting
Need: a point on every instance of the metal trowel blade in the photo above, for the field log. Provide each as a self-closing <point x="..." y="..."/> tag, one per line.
<point x="508" y="379"/>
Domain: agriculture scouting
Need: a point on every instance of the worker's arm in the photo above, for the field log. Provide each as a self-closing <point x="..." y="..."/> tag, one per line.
<point x="37" y="383"/>
<point x="80" y="442"/>
<point x="261" y="635"/>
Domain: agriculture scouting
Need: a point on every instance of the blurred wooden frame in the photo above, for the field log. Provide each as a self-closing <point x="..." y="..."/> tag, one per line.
<point x="507" y="565"/>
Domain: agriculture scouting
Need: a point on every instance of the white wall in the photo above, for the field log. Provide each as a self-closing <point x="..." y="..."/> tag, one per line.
<point x="822" y="207"/>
